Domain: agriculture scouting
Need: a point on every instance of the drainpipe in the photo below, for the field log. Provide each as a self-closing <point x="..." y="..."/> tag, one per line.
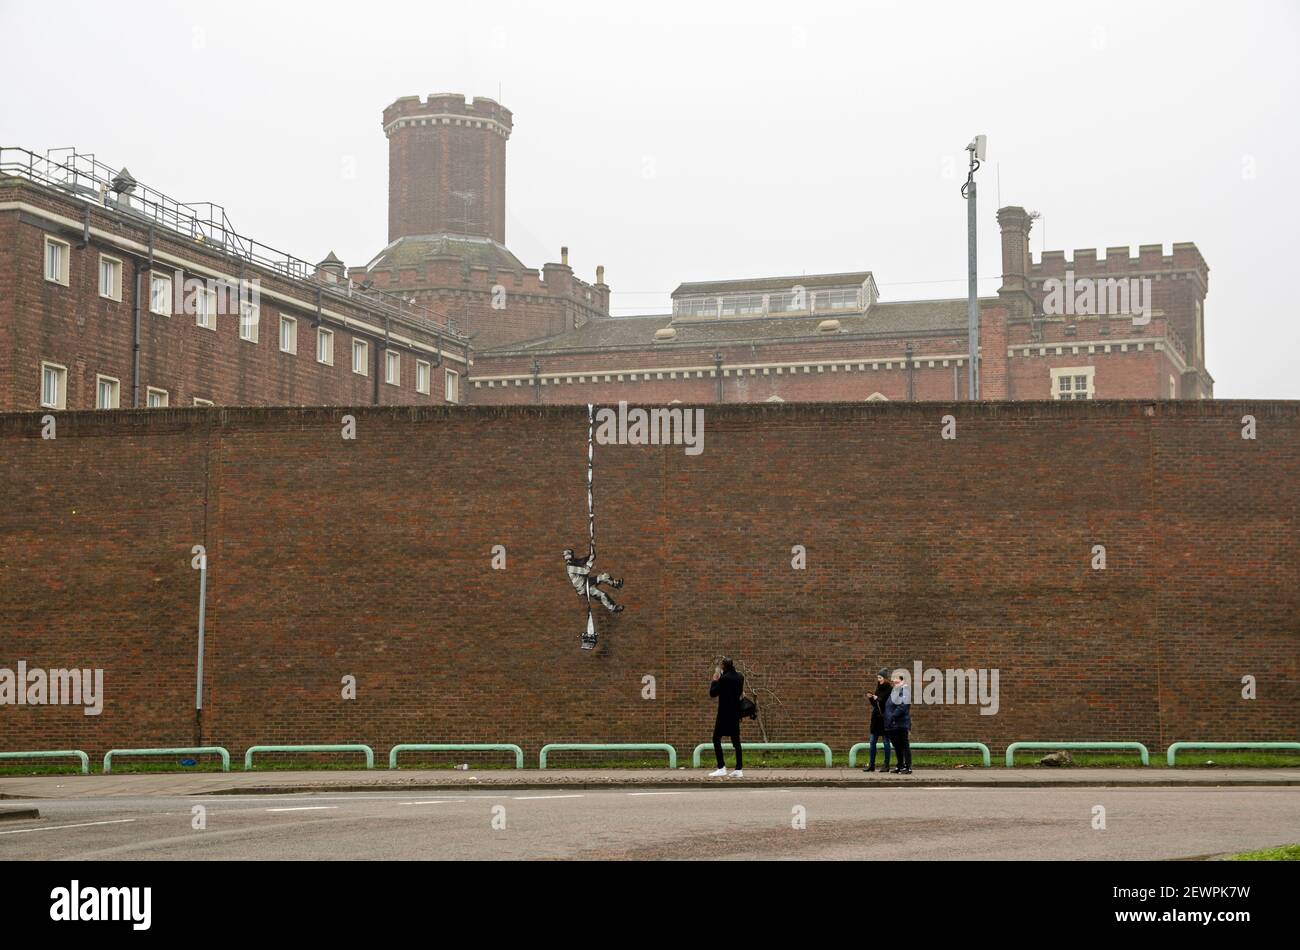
<point x="537" y="383"/>
<point x="911" y="388"/>
<point x="135" y="331"/>
<point x="717" y="371"/>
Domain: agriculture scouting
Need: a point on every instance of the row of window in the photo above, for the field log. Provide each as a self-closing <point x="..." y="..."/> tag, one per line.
<point x="57" y="256"/>
<point x="54" y="389"/>
<point x="108" y="391"/>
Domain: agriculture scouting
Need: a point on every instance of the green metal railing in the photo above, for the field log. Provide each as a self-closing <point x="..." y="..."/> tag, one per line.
<point x="433" y="747"/>
<point x="195" y="750"/>
<point x="1129" y="746"/>
<point x="52" y="754"/>
<point x="821" y="747"/>
<point x="1177" y="746"/>
<point x="608" y="747"/>
<point x="979" y="747"/>
<point x="369" y="752"/>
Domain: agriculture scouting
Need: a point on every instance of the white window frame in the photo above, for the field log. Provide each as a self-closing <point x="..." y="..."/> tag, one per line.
<point x="323" y="335"/>
<point x="205" y="308"/>
<point x="166" y="279"/>
<point x="363" y="347"/>
<point x="423" y="371"/>
<point x="152" y="390"/>
<point x="451" y="386"/>
<point x="64" y="260"/>
<point x="250" y="318"/>
<point x="392" y="358"/>
<point x="114" y="291"/>
<point x="292" y="324"/>
<point x="206" y="403"/>
<point x="1072" y="371"/>
<point x="61" y="396"/>
<point x="117" y="391"/>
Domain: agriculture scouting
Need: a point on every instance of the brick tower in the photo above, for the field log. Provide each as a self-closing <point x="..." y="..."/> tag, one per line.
<point x="447" y="166"/>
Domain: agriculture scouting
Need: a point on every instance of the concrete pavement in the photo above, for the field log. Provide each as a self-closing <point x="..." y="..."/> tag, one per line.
<point x="952" y="821"/>
<point x="278" y="782"/>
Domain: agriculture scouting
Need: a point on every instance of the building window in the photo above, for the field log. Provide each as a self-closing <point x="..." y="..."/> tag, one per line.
<point x="392" y="367"/>
<point x="360" y="357"/>
<point x="160" y="294"/>
<point x="205" y="309"/>
<point x="202" y="402"/>
<point x="54" y="386"/>
<point x="452" y="385"/>
<point x="156" y="398"/>
<point x="107" y="392"/>
<point x="57" y="255"/>
<point x="250" y="315"/>
<point x="288" y="334"/>
<point x="1073" y="382"/>
<point x="422" y="375"/>
<point x="110" y="277"/>
<point x="325" y="346"/>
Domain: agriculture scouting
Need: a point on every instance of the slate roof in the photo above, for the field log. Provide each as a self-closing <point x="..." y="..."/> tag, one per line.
<point x="920" y="317"/>
<point x="413" y="250"/>
<point x="763" y="284"/>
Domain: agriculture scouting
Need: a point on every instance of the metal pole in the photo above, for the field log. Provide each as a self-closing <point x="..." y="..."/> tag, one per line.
<point x="203" y="604"/>
<point x="589" y="639"/>
<point x="972" y="289"/>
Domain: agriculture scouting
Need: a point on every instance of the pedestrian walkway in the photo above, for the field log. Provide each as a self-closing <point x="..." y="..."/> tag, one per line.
<point x="208" y="783"/>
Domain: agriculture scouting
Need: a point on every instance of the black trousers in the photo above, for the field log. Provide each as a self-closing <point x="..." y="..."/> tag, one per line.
<point x="731" y="729"/>
<point x="902" y="747"/>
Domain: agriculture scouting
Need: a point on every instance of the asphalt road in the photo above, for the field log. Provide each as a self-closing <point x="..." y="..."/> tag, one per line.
<point x="737" y="823"/>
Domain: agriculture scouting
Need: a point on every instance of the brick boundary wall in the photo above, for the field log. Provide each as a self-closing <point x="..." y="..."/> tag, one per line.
<point x="372" y="558"/>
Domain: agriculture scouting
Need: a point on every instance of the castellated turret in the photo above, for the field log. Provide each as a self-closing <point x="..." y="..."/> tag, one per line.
<point x="447" y="166"/>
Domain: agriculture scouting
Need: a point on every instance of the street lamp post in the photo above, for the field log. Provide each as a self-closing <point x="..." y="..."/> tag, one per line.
<point x="976" y="149"/>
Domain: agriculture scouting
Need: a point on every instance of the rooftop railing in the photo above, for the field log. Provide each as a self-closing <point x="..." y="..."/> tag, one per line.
<point x="81" y="175"/>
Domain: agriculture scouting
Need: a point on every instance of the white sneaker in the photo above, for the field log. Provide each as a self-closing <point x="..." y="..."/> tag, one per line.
<point x="736" y="774"/>
<point x="718" y="773"/>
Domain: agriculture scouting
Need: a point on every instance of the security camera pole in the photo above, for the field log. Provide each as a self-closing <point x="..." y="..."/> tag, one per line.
<point x="976" y="149"/>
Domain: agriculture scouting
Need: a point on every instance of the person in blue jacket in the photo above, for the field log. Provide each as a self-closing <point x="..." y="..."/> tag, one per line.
<point x="898" y="723"/>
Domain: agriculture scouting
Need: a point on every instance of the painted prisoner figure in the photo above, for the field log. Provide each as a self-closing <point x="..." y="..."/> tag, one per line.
<point x="585" y="584"/>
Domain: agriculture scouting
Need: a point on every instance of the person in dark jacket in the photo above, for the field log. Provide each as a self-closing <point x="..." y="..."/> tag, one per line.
<point x="877" y="700"/>
<point x="898" y="723"/>
<point x="727" y="687"/>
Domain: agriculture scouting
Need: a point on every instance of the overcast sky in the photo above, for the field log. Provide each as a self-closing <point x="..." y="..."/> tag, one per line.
<point x="697" y="141"/>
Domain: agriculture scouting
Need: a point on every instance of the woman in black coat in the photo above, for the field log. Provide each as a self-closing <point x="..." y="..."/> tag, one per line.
<point x="727" y="687"/>
<point x="878" y="700"/>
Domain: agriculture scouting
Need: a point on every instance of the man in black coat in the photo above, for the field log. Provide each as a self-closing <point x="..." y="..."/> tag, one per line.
<point x="898" y="723"/>
<point x="727" y="687"/>
<point x="878" y="700"/>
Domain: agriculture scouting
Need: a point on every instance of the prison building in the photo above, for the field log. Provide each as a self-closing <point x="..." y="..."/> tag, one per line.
<point x="113" y="295"/>
<point x="830" y="338"/>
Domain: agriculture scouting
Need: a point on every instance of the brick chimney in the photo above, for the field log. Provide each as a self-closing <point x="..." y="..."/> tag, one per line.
<point x="1015" y="223"/>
